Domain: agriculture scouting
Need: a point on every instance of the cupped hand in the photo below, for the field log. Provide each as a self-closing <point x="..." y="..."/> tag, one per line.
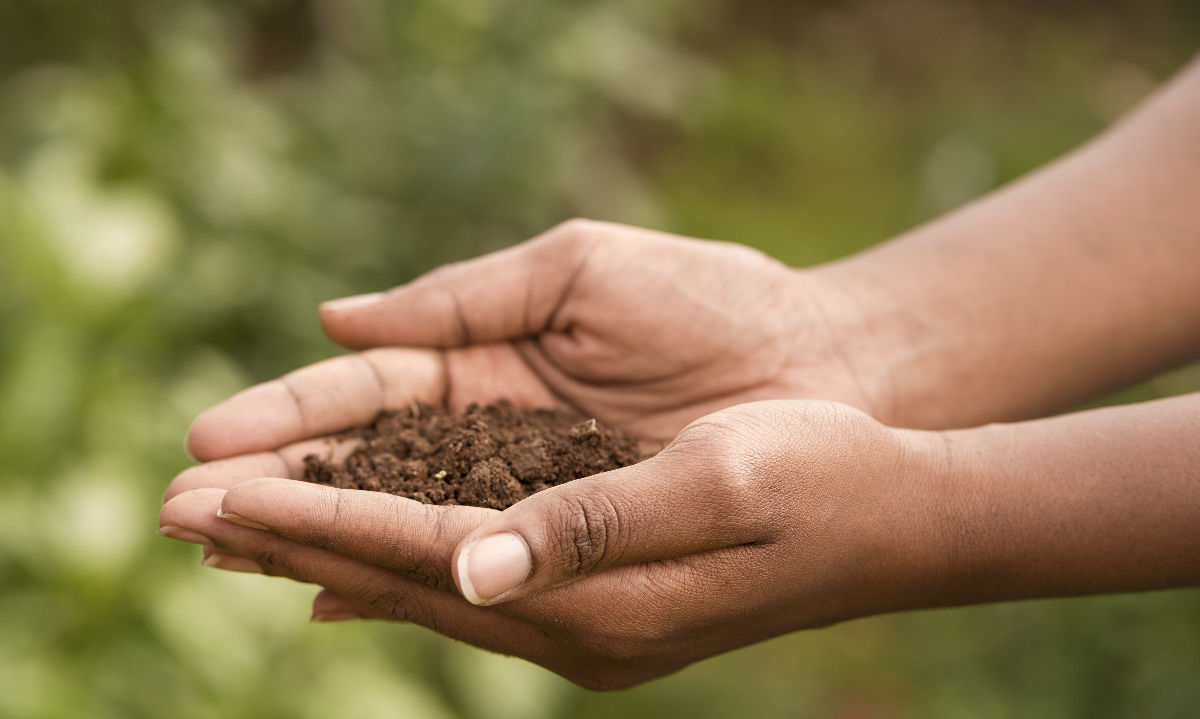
<point x="641" y="330"/>
<point x="754" y="521"/>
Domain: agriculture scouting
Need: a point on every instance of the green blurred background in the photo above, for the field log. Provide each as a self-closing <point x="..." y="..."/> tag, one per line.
<point x="181" y="182"/>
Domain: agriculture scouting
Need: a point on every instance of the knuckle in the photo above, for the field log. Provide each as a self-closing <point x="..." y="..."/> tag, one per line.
<point x="303" y="411"/>
<point x="327" y="531"/>
<point x="419" y="561"/>
<point x="447" y="271"/>
<point x="738" y="452"/>
<point x="747" y="255"/>
<point x="339" y="510"/>
<point x="277" y="564"/>
<point x="585" y="527"/>
<point x="404" y="609"/>
<point x="574" y="230"/>
<point x="385" y="536"/>
<point x="720" y="445"/>
<point x="578" y="236"/>
<point x="718" y="433"/>
<point x="835" y="431"/>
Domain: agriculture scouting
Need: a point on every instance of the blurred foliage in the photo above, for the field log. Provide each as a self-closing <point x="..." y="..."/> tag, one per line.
<point x="181" y="183"/>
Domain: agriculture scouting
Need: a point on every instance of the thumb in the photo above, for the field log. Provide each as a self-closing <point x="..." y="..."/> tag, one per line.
<point x="668" y="506"/>
<point x="504" y="295"/>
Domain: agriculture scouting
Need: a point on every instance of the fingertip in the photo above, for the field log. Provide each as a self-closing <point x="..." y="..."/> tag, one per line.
<point x="328" y="602"/>
<point x="258" y="488"/>
<point x="329" y="606"/>
<point x="351" y="303"/>
<point x="341" y="319"/>
<point x="186" y="509"/>
<point x="334" y="325"/>
<point x="273" y="503"/>
<point x="257" y="418"/>
<point x="217" y="433"/>
<point x="199" y="476"/>
<point x="232" y="563"/>
<point x="192" y="495"/>
<point x="198" y="441"/>
<point x="183" y="535"/>
<point x="183" y="482"/>
<point x="240" y="520"/>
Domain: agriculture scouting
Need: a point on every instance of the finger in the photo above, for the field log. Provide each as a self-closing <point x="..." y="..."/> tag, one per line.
<point x="329" y="606"/>
<point x="399" y="534"/>
<point x="407" y="537"/>
<point x="507" y="294"/>
<point x="217" y="559"/>
<point x="391" y="594"/>
<point x="668" y="506"/>
<point x="180" y="512"/>
<point x="319" y="399"/>
<point x="285" y="462"/>
<point x="190" y="512"/>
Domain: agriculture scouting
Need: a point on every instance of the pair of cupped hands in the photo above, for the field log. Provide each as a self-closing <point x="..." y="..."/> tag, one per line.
<point x="776" y="502"/>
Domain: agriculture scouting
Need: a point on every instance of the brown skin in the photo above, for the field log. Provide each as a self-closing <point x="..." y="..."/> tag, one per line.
<point x="729" y="565"/>
<point x="757" y="520"/>
<point x="561" y="320"/>
<point x="768" y="516"/>
<point x="1074" y="281"/>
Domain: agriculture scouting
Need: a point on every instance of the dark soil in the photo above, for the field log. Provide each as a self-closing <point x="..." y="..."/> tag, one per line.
<point x="491" y="456"/>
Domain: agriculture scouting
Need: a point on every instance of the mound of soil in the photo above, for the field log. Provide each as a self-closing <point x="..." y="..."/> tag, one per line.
<point x="491" y="456"/>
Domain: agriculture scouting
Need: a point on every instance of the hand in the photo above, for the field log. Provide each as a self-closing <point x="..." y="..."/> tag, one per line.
<point x="639" y="329"/>
<point x="755" y="521"/>
<point x="642" y="330"/>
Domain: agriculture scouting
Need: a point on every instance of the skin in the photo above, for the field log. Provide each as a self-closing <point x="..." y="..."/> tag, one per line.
<point x="786" y="497"/>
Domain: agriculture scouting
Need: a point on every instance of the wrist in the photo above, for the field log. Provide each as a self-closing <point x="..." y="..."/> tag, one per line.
<point x="890" y="356"/>
<point x="885" y="489"/>
<point x="914" y="536"/>
<point x="982" y="513"/>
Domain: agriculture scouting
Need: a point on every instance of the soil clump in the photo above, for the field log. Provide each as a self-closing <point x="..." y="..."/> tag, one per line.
<point x="493" y="455"/>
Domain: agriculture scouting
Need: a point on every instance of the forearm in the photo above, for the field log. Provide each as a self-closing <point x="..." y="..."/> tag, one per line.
<point x="1076" y="280"/>
<point x="1093" y="502"/>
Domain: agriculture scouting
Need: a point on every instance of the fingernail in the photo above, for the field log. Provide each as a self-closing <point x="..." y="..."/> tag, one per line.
<point x="183" y="535"/>
<point x="237" y="519"/>
<point x="491" y="567"/>
<point x="352" y="302"/>
<point x="335" y="616"/>
<point x="232" y="563"/>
